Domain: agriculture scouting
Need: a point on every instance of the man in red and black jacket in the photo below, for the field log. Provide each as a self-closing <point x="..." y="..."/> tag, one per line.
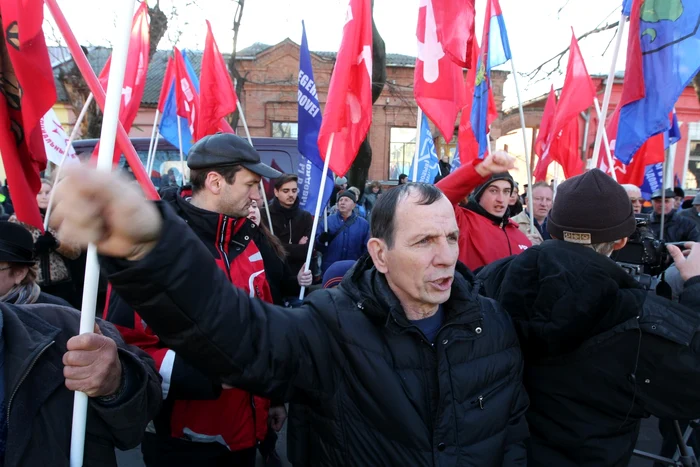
<point x="201" y="424"/>
<point x="486" y="233"/>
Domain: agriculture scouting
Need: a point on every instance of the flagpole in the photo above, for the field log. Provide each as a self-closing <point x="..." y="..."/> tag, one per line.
<point x="262" y="185"/>
<point x="663" y="195"/>
<point x="152" y="157"/>
<point x="182" y="157"/>
<point x="110" y="122"/>
<point x="150" y="146"/>
<point x="608" y="92"/>
<point x="530" y="204"/>
<point x="317" y="212"/>
<point x="417" y="153"/>
<point x="69" y="145"/>
<point x="608" y="152"/>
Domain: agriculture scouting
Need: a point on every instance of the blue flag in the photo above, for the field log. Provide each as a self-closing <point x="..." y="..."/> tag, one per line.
<point x="309" y="117"/>
<point x="168" y="122"/>
<point x="653" y="174"/>
<point x="626" y="7"/>
<point x="428" y="162"/>
<point x="456" y="161"/>
<point x="669" y="39"/>
<point x="495" y="50"/>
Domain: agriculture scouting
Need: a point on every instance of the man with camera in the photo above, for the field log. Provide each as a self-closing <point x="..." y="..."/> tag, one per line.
<point x="601" y="352"/>
<point x="676" y="228"/>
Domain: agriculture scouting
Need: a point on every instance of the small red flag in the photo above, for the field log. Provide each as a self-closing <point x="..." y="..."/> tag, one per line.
<point x="438" y="83"/>
<point x="547" y="117"/>
<point x="454" y="21"/>
<point x="466" y="140"/>
<point x="348" y="113"/>
<point x="167" y="82"/>
<point x="185" y="92"/>
<point x="28" y="92"/>
<point x="217" y="97"/>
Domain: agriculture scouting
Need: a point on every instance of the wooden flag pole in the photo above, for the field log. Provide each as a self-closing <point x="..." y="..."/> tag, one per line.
<point x="108" y="135"/>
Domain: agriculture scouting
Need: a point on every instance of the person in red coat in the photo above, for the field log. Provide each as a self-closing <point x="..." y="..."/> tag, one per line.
<point x="486" y="233"/>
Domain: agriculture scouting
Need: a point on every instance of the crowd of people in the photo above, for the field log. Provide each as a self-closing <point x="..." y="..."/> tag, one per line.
<point x="443" y="324"/>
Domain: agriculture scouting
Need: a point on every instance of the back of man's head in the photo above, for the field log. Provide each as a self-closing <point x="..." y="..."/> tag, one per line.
<point x="591" y="210"/>
<point x="382" y="223"/>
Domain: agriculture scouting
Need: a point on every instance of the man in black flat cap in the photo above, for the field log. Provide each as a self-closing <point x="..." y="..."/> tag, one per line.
<point x="200" y="424"/>
<point x="677" y="228"/>
<point x="600" y="351"/>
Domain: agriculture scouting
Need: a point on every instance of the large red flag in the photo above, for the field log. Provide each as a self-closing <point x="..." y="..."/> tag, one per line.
<point x="454" y="21"/>
<point x="348" y="113"/>
<point x="168" y="78"/>
<point x="578" y="92"/>
<point x="217" y="97"/>
<point x="28" y="92"/>
<point x="185" y="92"/>
<point x="564" y="149"/>
<point x="438" y="83"/>
<point x="544" y="159"/>
<point x="466" y="140"/>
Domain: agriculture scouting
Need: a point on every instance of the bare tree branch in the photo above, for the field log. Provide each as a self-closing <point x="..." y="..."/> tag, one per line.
<point x="235" y="74"/>
<point x="558" y="57"/>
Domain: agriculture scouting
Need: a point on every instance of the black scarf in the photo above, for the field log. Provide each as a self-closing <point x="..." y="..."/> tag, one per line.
<point x="473" y="206"/>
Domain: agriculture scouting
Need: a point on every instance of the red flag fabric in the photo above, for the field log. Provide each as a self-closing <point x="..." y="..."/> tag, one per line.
<point x="545" y="125"/>
<point x="28" y="92"/>
<point x="348" y="113"/>
<point x="185" y="92"/>
<point x="136" y="69"/>
<point x="217" y="97"/>
<point x="438" y="83"/>
<point x="564" y="149"/>
<point x="167" y="82"/>
<point x="578" y="92"/>
<point x="454" y="22"/>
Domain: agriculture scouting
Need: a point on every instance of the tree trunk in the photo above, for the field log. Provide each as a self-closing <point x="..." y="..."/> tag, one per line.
<point x="236" y="76"/>
<point x="359" y="171"/>
<point x="157" y="29"/>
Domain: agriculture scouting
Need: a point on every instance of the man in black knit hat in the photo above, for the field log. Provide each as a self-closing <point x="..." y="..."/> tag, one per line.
<point x="601" y="352"/>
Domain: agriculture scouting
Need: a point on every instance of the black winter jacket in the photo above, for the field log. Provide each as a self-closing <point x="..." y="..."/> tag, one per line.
<point x="378" y="393"/>
<point x="676" y="228"/>
<point x="601" y="353"/>
<point x="39" y="404"/>
<point x="290" y="225"/>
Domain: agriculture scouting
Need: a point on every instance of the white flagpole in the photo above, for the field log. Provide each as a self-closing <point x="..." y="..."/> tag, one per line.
<point x="317" y="212"/>
<point x="182" y="157"/>
<point x="608" y="152"/>
<point x="608" y="90"/>
<point x="663" y="195"/>
<point x="108" y="135"/>
<point x="69" y="144"/>
<point x="154" y="136"/>
<point x="418" y="137"/>
<point x="152" y="156"/>
<point x="262" y="185"/>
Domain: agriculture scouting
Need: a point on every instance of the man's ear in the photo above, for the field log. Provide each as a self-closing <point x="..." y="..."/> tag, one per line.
<point x="214" y="183"/>
<point x="377" y="249"/>
<point x="620" y="244"/>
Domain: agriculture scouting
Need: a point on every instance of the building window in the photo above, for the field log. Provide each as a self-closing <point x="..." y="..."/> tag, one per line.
<point x="402" y="147"/>
<point x="285" y="129"/>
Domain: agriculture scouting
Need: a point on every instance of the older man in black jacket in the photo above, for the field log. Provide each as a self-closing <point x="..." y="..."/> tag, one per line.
<point x="402" y="364"/>
<point x="601" y="353"/>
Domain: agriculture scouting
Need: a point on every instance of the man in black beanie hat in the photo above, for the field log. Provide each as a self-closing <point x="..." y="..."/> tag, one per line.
<point x="601" y="352"/>
<point x="486" y="232"/>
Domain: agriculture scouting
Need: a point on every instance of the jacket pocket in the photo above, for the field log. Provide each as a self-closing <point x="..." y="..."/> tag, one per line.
<point x="481" y="400"/>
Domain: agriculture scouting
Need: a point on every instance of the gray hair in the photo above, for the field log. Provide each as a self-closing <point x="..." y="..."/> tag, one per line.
<point x="604" y="249"/>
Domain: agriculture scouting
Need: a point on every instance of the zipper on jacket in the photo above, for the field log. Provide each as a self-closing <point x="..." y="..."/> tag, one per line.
<point x="290" y="231"/>
<point x="24" y="376"/>
<point x="482" y="397"/>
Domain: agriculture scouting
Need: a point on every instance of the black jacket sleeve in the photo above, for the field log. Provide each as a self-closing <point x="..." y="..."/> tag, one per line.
<point x="669" y="357"/>
<point x="246" y="343"/>
<point x="127" y="416"/>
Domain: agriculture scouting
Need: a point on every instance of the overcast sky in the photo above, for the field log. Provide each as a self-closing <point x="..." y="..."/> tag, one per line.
<point x="536" y="28"/>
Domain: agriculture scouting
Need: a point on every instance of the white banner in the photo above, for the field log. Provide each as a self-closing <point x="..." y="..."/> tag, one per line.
<point x="56" y="140"/>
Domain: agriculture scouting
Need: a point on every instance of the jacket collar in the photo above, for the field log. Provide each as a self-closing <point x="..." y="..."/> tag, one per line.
<point x="276" y="207"/>
<point x="473" y="206"/>
<point x="373" y="295"/>
<point x="655" y="218"/>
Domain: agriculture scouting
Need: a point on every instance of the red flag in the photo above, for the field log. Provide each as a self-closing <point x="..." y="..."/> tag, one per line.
<point x="454" y="22"/>
<point x="28" y="92"/>
<point x="547" y="117"/>
<point x="185" y="92"/>
<point x="578" y="92"/>
<point x="167" y="83"/>
<point x="217" y="96"/>
<point x="438" y="83"/>
<point x="348" y="112"/>
<point x="564" y="149"/>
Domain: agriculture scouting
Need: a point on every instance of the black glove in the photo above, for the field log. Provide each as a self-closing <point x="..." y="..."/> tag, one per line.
<point x="45" y="244"/>
<point x="324" y="237"/>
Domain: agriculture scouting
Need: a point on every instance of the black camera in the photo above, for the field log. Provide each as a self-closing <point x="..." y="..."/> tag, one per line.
<point x="644" y="255"/>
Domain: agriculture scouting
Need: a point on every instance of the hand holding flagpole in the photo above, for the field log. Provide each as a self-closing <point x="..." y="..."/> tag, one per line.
<point x="104" y="163"/>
